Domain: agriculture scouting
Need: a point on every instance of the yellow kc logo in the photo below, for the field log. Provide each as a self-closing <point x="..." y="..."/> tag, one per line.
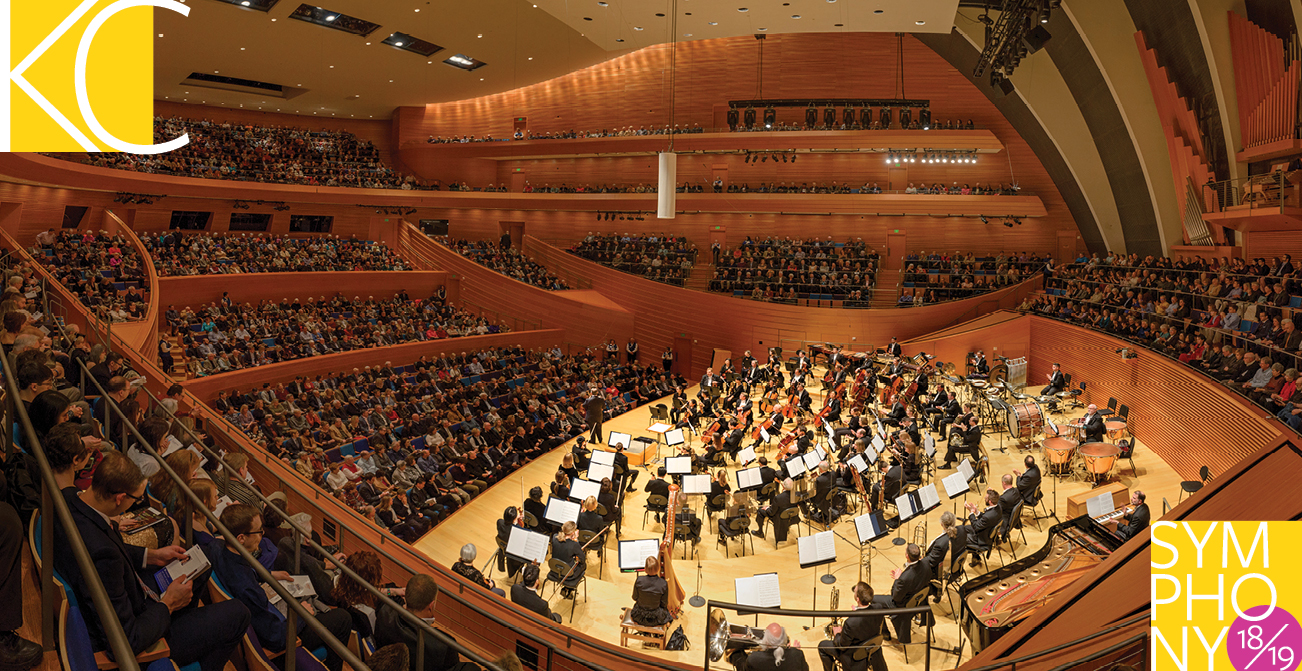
<point x="79" y="75"/>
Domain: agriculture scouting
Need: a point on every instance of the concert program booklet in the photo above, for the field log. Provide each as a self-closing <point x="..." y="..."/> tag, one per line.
<point x="194" y="563"/>
<point x="527" y="545"/>
<point x="760" y="590"/>
<point x="817" y="549"/>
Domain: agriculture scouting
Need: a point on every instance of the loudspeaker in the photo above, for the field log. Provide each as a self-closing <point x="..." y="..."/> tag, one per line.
<point x="1003" y="87"/>
<point x="667" y="192"/>
<point x="1035" y="39"/>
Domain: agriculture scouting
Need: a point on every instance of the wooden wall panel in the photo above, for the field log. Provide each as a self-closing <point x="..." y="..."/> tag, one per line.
<point x="254" y="287"/>
<point x="1003" y="333"/>
<point x="715" y="321"/>
<point x="1269" y="244"/>
<point x="398" y="355"/>
<point x="1186" y="418"/>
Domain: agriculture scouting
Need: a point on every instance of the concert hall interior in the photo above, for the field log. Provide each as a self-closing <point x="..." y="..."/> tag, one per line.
<point x="518" y="332"/>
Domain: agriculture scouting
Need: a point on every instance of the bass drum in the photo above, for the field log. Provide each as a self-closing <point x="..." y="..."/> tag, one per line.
<point x="1025" y="420"/>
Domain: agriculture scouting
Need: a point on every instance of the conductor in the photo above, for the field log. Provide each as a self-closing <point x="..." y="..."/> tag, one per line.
<point x="595" y="407"/>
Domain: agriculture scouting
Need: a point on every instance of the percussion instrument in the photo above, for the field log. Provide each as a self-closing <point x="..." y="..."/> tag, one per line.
<point x="1025" y="420"/>
<point x="1099" y="458"/>
<point x="1058" y="452"/>
<point x="1078" y="425"/>
<point x="1116" y="430"/>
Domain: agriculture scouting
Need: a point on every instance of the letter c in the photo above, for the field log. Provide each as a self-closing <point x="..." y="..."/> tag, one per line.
<point x="79" y="73"/>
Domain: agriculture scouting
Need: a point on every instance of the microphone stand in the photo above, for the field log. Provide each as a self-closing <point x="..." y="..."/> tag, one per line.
<point x="697" y="600"/>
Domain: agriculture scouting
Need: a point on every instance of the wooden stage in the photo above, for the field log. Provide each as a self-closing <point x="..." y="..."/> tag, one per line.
<point x="599" y="615"/>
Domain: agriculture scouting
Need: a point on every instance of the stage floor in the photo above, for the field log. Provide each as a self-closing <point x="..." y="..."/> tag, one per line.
<point x="611" y="591"/>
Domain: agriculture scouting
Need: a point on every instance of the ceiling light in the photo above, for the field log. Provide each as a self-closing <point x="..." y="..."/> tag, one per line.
<point x="531" y="58"/>
<point x="619" y="39"/>
<point x="160" y="34"/>
<point x="603" y="4"/>
<point x="921" y="23"/>
<point x="586" y="18"/>
<point x="417" y="10"/>
<point x="713" y="23"/>
<point x="879" y="11"/>
<point x="397" y="44"/>
<point x="637" y="27"/>
<point x="241" y="48"/>
<point x="245" y="3"/>
<point x="273" y="20"/>
<point x="795" y="16"/>
<point x="480" y="36"/>
<point x="368" y="44"/>
<point x="390" y="81"/>
<point x="743" y="9"/>
<point x="763" y="29"/>
<point x="331" y="18"/>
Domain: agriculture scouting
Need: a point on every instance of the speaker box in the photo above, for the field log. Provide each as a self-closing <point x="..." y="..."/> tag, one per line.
<point x="1035" y="39"/>
<point x="1004" y="87"/>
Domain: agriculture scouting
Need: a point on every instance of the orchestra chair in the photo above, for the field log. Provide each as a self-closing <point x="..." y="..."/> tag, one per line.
<point x="861" y="652"/>
<point x="719" y="460"/>
<point x="501" y="552"/>
<point x="655" y="503"/>
<point x="681" y="534"/>
<point x="949" y="582"/>
<point x="660" y="413"/>
<point x="530" y="522"/>
<point x="649" y="636"/>
<point x="767" y="492"/>
<point x="1039" y="501"/>
<point x="584" y="537"/>
<point x="714" y="505"/>
<point x="601" y="510"/>
<point x="1077" y="394"/>
<point x="792" y="518"/>
<point x="1011" y="523"/>
<point x="1191" y="487"/>
<point x="560" y="568"/>
<point x="851" y="496"/>
<point x="1110" y="410"/>
<point x="738" y="527"/>
<point x="1128" y="453"/>
<point x="919" y="598"/>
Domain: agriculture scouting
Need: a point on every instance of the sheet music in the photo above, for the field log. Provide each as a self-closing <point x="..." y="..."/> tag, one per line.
<point x="878" y="442"/>
<point x="581" y="489"/>
<point x="633" y="554"/>
<point x="831" y="434"/>
<point x="748" y="478"/>
<point x="930" y="498"/>
<point x="527" y="545"/>
<point x="765" y="435"/>
<point x="881" y="428"/>
<point x="965" y="467"/>
<point x="678" y="465"/>
<point x="904" y="504"/>
<point x="600" y="472"/>
<point x="870" y="527"/>
<point x="745" y="456"/>
<point x="696" y="484"/>
<point x="761" y="590"/>
<point x="674" y="437"/>
<point x="811" y="461"/>
<point x="603" y="457"/>
<point x="1100" y="505"/>
<point x="561" y="511"/>
<point x="617" y="438"/>
<point x="822" y="454"/>
<point x="929" y="444"/>
<point x="870" y="454"/>
<point x="817" y="548"/>
<point x="858" y="463"/>
<point x="659" y="427"/>
<point x="795" y="467"/>
<point x="1050" y="427"/>
<point x="956" y="485"/>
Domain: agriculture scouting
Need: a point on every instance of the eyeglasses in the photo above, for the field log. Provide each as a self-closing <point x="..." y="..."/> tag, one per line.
<point x="255" y="532"/>
<point x="131" y="496"/>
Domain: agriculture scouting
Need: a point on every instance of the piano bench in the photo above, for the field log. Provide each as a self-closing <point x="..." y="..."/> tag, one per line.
<point x="650" y="636"/>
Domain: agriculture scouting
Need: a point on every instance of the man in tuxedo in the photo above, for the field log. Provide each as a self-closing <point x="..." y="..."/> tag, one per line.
<point x="658" y="487"/>
<point x="980" y="528"/>
<point x="708" y="380"/>
<point x="525" y="593"/>
<point x="1136" y="519"/>
<point x="777" y="652"/>
<point x="204" y="634"/>
<point x="621" y="464"/>
<point x="857" y="630"/>
<point x="980" y="369"/>
<point x="818" y="507"/>
<point x="894" y="348"/>
<point x="1010" y="497"/>
<point x="1057" y="383"/>
<point x="896" y="413"/>
<point x="1093" y="423"/>
<point x="803" y="399"/>
<point x="1028" y="482"/>
<point x="594" y="408"/>
<point x="913" y="578"/>
<point x="767" y="473"/>
<point x="744" y="407"/>
<point x="773" y="512"/>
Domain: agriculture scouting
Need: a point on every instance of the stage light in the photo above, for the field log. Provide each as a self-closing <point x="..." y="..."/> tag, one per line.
<point x="924" y="117"/>
<point x="984" y="220"/>
<point x="770" y="116"/>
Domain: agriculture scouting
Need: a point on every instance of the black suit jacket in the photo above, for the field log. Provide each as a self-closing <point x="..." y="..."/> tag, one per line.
<point x="914" y="579"/>
<point x="1138" y="520"/>
<point x="793" y="659"/>
<point x="940" y="547"/>
<point x="1027" y="483"/>
<point x="144" y="620"/>
<point x="982" y="527"/>
<point x="658" y="486"/>
<point x="858" y="629"/>
<point x="1009" y="500"/>
<point x="530" y="599"/>
<point x="1094" y="428"/>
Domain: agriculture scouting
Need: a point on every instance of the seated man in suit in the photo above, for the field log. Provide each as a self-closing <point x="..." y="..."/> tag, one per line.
<point x="773" y="512"/>
<point x="818" y="507"/>
<point x="951" y="539"/>
<point x="1028" y="482"/>
<point x="525" y="593"/>
<point x="1136" y="519"/>
<point x="1093" y="423"/>
<point x="857" y="630"/>
<point x="204" y="634"/>
<point x="965" y="440"/>
<point x="658" y="487"/>
<point x="913" y="578"/>
<point x="1009" y="498"/>
<point x="980" y="528"/>
<point x="1057" y="383"/>
<point x="621" y="464"/>
<point x="243" y="584"/>
<point x="777" y="652"/>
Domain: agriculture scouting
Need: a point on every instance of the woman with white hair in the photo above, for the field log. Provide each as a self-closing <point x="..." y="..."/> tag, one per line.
<point x="465" y="567"/>
<point x="776" y="651"/>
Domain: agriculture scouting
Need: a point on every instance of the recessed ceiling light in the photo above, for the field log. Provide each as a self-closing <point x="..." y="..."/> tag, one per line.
<point x="241" y="48"/>
<point x="763" y="29"/>
<point x="795" y="16"/>
<point x="160" y="34"/>
<point x="418" y="11"/>
<point x="331" y="18"/>
<point x="659" y="14"/>
<point x="921" y="23"/>
<point x="390" y="81"/>
<point x="481" y="35"/>
<point x="481" y="79"/>
<point x="216" y="72"/>
<point x="637" y="27"/>
<point x="838" y="25"/>
<point x="368" y="44"/>
<point x="531" y="58"/>
<point x="878" y="11"/>
<point x="619" y="39"/>
<point x="687" y="34"/>
<point x="332" y="67"/>
<point x="714" y="23"/>
<point x="587" y="18"/>
<point x="743" y="9"/>
<point x="273" y="21"/>
<point x="603" y="4"/>
<point x="245" y="3"/>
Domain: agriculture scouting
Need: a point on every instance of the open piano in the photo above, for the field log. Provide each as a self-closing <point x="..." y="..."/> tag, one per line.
<point x="995" y="602"/>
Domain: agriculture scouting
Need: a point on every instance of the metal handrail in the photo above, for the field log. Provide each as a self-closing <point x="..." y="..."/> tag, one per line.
<point x="52" y="499"/>
<point x="1012" y="663"/>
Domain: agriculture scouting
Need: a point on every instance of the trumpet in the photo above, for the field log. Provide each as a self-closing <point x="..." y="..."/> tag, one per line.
<point x="830" y="626"/>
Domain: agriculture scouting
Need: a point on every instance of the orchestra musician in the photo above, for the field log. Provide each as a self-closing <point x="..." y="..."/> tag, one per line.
<point x="732" y="442"/>
<point x="980" y="369"/>
<point x="896" y="412"/>
<point x="773" y="512"/>
<point x="913" y="578"/>
<point x="658" y="487"/>
<point x="1009" y="498"/>
<point x="1093" y="424"/>
<point x="819" y="507"/>
<point x="952" y="538"/>
<point x="937" y="407"/>
<point x="803" y="400"/>
<point x="726" y="369"/>
<point x="754" y="375"/>
<point x="980" y="528"/>
<point x="767" y="474"/>
<point x="834" y="409"/>
<point x="845" y="447"/>
<point x="745" y="407"/>
<point x="679" y="401"/>
<point x="1137" y="518"/>
<point x="746" y="361"/>
<point x="525" y="593"/>
<point x="709" y="380"/>
<point x="1057" y="383"/>
<point x="534" y="504"/>
<point x="621" y="464"/>
<point x="566" y="548"/>
<point x="802" y="360"/>
<point x="894" y="348"/>
<point x="777" y="652"/>
<point x="966" y="439"/>
<point x="582" y="455"/>
<point x="1028" y="483"/>
<point x="650" y="597"/>
<point x="968" y="411"/>
<point x="511" y="518"/>
<point x="857" y="630"/>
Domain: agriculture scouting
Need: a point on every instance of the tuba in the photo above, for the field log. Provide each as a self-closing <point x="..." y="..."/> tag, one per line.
<point x="721" y="637"/>
<point x="835" y="602"/>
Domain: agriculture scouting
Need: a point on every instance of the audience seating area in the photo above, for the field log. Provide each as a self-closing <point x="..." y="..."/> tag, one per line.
<point x="509" y="262"/>
<point x="786" y="270"/>
<point x="933" y="278"/>
<point x="175" y="254"/>
<point x="1232" y="320"/>
<point x="103" y="270"/>
<point x="222" y="337"/>
<point x="259" y="154"/>
<point x="439" y="431"/>
<point x="662" y="258"/>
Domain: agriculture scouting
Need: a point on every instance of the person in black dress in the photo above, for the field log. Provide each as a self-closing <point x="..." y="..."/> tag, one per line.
<point x="566" y="548"/>
<point x="650" y="597"/>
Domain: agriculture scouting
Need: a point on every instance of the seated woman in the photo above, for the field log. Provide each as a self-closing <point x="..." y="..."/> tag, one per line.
<point x="201" y="531"/>
<point x="465" y="567"/>
<point x="566" y="549"/>
<point x="511" y="518"/>
<point x="589" y="520"/>
<point x="650" y="597"/>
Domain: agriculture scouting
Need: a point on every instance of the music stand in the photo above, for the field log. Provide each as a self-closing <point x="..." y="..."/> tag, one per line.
<point x="871" y="527"/>
<point x="817" y="550"/>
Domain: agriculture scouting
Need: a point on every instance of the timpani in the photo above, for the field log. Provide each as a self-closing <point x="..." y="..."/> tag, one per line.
<point x="1099" y="459"/>
<point x="1116" y="429"/>
<point x="1057" y="453"/>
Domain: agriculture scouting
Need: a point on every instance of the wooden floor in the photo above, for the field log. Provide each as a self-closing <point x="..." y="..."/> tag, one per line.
<point x="598" y="615"/>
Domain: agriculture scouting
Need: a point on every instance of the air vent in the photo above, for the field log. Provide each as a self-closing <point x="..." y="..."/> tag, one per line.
<point x="415" y="45"/>
<point x="260" y="5"/>
<point x="332" y="19"/>
<point x="465" y="62"/>
<point x="251" y="86"/>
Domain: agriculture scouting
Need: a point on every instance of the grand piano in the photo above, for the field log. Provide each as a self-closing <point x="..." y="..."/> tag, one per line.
<point x="995" y="602"/>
